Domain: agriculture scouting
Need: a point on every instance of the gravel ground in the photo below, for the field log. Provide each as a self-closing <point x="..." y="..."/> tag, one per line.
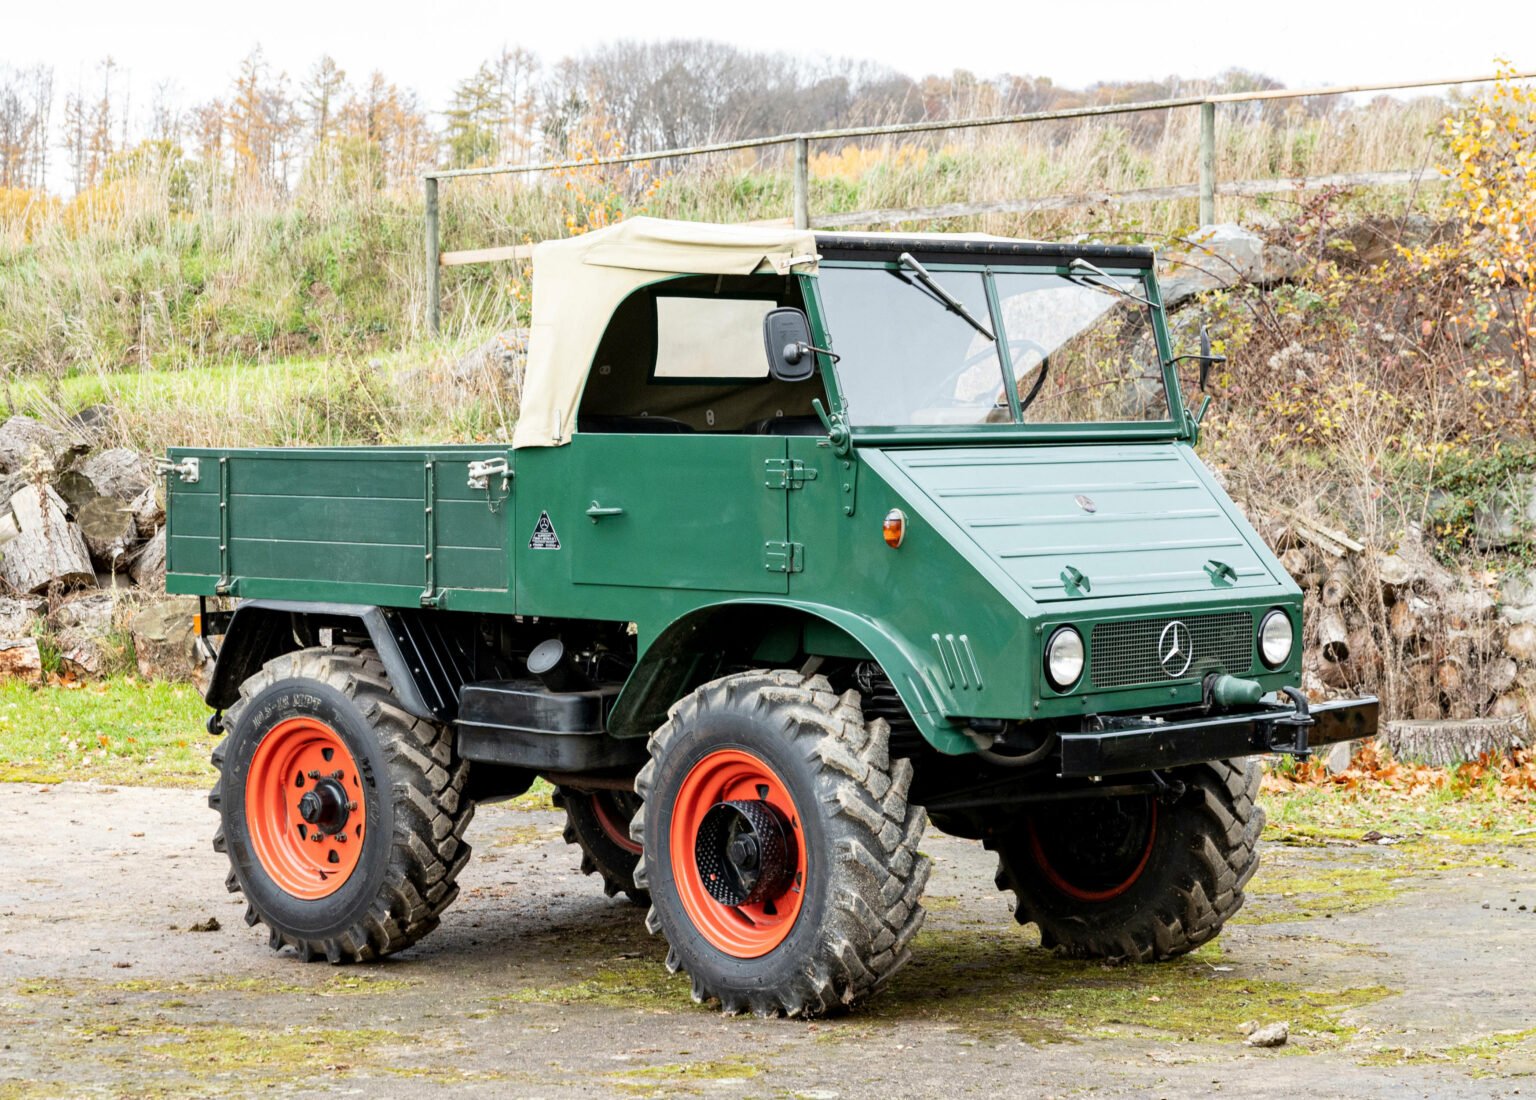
<point x="1396" y="980"/>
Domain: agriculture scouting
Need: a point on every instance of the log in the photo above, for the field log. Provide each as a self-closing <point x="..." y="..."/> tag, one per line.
<point x="1335" y="587"/>
<point x="148" y="566"/>
<point x="1443" y="743"/>
<point x="119" y="472"/>
<point x="48" y="549"/>
<point x="76" y="489"/>
<point x="1406" y="619"/>
<point x="1333" y="635"/>
<point x="1297" y="562"/>
<point x="148" y="511"/>
<point x="109" y="529"/>
<point x="20" y="658"/>
<point x="163" y="640"/>
<point x="1499" y="674"/>
<point x="1364" y="655"/>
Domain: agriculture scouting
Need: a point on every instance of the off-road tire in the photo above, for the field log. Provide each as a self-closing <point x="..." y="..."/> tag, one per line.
<point x="415" y="803"/>
<point x="1203" y="852"/>
<point x="601" y="854"/>
<point x="865" y="878"/>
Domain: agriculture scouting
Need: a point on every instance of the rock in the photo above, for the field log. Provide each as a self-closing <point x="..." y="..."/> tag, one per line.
<point x="163" y="639"/>
<point x="93" y="422"/>
<point x="119" y="472"/>
<point x="1339" y="755"/>
<point x="147" y="568"/>
<point x="1520" y="643"/>
<point x="1221" y="256"/>
<point x="1270" y="1035"/>
<point x="1509" y="519"/>
<point x="18" y="616"/>
<point x="30" y="445"/>
<point x="20" y="658"/>
<point x="47" y="550"/>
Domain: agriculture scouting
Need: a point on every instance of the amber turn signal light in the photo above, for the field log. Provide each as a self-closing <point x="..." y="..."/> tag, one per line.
<point x="894" y="528"/>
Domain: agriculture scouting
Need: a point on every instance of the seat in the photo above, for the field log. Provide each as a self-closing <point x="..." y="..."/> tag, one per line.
<point x="789" y="425"/>
<point x="632" y="425"/>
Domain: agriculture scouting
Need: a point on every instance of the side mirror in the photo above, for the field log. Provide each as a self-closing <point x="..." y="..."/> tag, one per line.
<point x="1206" y="358"/>
<point x="787" y="340"/>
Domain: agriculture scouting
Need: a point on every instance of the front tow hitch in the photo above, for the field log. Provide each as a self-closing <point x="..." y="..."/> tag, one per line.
<point x="1288" y="734"/>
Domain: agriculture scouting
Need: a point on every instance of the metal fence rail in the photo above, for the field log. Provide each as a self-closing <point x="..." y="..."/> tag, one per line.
<point x="1205" y="189"/>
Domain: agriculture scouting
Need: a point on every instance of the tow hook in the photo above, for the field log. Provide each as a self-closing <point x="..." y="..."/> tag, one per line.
<point x="1289" y="734"/>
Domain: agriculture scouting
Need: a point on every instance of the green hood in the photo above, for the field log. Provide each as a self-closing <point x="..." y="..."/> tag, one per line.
<point x="1095" y="521"/>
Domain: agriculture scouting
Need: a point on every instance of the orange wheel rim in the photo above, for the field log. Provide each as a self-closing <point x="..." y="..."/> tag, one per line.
<point x="614" y="822"/>
<point x="304" y="808"/>
<point x="1082" y="893"/>
<point x="753" y="929"/>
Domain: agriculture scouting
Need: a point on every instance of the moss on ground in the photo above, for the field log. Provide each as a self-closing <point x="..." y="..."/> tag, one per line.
<point x="675" y="1077"/>
<point x="1481" y="1057"/>
<point x="90" y="990"/>
<point x="991" y="984"/>
<point x="641" y="984"/>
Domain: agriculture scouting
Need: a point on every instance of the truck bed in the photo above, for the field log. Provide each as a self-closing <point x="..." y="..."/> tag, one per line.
<point x="391" y="526"/>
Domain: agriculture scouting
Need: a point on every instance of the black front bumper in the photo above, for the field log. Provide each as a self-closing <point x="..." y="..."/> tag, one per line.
<point x="1152" y="744"/>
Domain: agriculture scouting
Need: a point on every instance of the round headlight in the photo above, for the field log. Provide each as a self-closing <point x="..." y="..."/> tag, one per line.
<point x="1064" y="658"/>
<point x="1275" y="638"/>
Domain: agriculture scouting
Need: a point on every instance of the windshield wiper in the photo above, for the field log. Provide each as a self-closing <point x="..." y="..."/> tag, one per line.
<point x="908" y="261"/>
<point x="1077" y="269"/>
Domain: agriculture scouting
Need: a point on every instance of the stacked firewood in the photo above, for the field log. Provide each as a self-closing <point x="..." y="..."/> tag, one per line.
<point x="1434" y="644"/>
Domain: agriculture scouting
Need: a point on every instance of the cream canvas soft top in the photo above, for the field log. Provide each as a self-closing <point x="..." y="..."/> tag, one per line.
<point x="579" y="282"/>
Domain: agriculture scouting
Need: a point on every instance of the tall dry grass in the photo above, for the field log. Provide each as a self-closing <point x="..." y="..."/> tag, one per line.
<point x="162" y="267"/>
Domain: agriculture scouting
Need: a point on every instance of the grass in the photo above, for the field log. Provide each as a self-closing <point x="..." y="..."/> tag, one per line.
<point x="117" y="731"/>
<point x="161" y="267"/>
<point x="396" y="398"/>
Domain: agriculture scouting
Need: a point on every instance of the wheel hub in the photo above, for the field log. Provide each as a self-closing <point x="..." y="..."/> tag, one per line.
<point x="743" y="852"/>
<point x="325" y="806"/>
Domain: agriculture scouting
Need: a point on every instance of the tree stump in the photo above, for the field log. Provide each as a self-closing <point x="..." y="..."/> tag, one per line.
<point x="1444" y="742"/>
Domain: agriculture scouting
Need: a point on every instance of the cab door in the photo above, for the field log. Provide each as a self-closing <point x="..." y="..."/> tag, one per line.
<point x="685" y="511"/>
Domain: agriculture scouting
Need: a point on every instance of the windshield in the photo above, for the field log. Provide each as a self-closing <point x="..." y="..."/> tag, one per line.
<point x="1078" y="350"/>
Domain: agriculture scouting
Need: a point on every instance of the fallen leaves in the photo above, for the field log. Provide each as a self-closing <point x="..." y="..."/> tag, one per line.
<point x="1510" y="776"/>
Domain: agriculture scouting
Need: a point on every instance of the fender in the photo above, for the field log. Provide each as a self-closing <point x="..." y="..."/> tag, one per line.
<point x="671" y="665"/>
<point x="260" y="630"/>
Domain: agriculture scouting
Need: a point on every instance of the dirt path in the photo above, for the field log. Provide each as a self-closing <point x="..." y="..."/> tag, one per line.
<point x="1397" y="980"/>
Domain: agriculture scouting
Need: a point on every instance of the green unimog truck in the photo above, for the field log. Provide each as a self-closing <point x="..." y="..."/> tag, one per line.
<point x="802" y="541"/>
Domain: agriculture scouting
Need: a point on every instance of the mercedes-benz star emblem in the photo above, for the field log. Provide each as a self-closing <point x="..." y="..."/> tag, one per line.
<point x="1175" y="649"/>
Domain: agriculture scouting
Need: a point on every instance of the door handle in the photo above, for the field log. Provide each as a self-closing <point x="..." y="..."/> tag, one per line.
<point x="597" y="511"/>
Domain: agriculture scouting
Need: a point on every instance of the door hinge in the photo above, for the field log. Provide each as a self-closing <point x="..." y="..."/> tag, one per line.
<point x="787" y="473"/>
<point x="784" y="557"/>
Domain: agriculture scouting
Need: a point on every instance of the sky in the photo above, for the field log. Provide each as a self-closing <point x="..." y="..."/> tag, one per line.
<point x="430" y="46"/>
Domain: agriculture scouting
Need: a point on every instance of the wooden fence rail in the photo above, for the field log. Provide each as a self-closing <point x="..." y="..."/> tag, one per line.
<point x="1205" y="190"/>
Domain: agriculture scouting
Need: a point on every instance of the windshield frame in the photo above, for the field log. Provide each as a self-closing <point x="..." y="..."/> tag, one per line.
<point x="1178" y="426"/>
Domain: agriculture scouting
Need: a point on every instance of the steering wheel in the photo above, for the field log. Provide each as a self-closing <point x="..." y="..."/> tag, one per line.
<point x="1022" y="344"/>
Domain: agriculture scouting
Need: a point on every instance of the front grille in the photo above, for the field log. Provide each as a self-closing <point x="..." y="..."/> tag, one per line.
<point x="1124" y="653"/>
